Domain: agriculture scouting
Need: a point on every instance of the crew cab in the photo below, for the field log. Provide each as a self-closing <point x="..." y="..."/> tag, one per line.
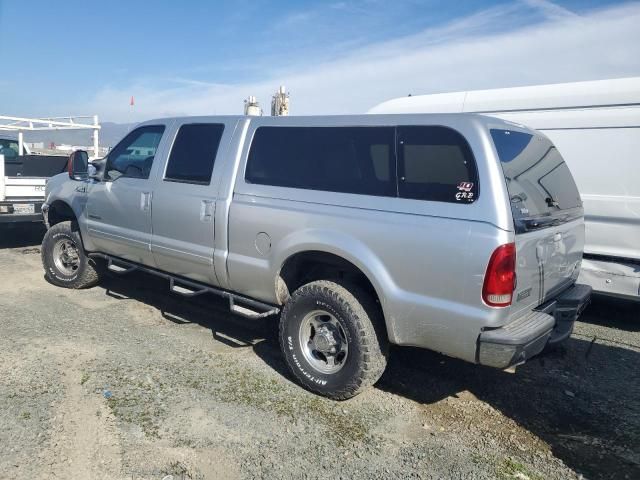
<point x="459" y="233"/>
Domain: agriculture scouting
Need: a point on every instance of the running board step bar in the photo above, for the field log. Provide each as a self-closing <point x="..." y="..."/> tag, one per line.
<point x="119" y="269"/>
<point x="238" y="304"/>
<point x="187" y="291"/>
<point x="248" y="312"/>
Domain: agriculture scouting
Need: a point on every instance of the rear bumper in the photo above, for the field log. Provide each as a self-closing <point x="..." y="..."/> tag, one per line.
<point x="551" y="323"/>
<point x="11" y="217"/>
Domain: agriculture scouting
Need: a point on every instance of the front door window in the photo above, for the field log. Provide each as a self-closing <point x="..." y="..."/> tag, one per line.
<point x="133" y="156"/>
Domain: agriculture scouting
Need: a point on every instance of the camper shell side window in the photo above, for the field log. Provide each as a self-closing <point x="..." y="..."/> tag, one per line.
<point x="415" y="162"/>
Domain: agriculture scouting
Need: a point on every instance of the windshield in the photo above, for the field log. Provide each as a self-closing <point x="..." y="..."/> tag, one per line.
<point x="540" y="185"/>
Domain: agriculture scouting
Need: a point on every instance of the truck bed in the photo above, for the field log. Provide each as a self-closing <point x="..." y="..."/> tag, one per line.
<point x="22" y="185"/>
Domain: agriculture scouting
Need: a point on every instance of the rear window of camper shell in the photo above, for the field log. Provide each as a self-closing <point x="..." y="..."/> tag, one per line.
<point x="541" y="188"/>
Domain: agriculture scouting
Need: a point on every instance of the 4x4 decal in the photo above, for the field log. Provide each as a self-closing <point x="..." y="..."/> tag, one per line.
<point x="464" y="191"/>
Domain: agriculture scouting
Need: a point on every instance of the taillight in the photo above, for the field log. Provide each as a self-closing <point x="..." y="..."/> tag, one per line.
<point x="500" y="279"/>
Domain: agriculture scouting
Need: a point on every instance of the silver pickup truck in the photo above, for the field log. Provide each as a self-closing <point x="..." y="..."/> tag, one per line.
<point x="458" y="233"/>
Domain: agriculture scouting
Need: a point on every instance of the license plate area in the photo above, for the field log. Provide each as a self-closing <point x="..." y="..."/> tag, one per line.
<point x="24" y="208"/>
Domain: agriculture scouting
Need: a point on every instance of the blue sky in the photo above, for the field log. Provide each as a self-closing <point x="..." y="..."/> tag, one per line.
<point x="194" y="57"/>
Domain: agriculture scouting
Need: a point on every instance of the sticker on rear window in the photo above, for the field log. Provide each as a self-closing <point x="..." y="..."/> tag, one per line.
<point x="464" y="191"/>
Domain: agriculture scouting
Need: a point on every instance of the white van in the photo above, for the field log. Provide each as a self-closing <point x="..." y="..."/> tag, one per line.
<point x="596" y="127"/>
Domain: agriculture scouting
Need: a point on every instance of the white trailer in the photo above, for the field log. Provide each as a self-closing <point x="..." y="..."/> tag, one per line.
<point x="596" y="127"/>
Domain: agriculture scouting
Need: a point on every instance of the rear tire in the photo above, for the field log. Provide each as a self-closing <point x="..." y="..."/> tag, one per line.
<point x="64" y="260"/>
<point x="333" y="339"/>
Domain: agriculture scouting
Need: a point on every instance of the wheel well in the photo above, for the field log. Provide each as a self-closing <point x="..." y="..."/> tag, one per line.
<point x="59" y="211"/>
<point x="306" y="267"/>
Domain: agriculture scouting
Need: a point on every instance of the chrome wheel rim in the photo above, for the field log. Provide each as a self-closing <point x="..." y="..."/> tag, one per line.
<point x="66" y="256"/>
<point x="323" y="341"/>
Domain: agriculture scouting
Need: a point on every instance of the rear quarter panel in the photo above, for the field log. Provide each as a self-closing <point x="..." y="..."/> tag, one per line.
<point x="426" y="260"/>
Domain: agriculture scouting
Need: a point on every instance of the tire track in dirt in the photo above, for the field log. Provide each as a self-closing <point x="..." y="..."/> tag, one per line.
<point x="84" y="438"/>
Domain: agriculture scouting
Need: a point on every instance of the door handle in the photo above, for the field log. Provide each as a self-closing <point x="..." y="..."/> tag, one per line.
<point x="145" y="201"/>
<point x="206" y="210"/>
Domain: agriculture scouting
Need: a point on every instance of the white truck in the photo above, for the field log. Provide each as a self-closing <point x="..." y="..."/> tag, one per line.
<point x="596" y="127"/>
<point x="22" y="181"/>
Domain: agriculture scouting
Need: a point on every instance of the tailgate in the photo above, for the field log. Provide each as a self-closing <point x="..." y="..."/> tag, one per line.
<point x="23" y="188"/>
<point x="548" y="260"/>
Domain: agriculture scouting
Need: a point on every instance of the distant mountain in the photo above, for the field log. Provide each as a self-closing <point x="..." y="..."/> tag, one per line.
<point x="110" y="134"/>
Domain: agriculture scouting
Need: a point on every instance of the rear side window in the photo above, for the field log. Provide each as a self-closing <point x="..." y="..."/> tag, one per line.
<point x="539" y="183"/>
<point x="356" y="160"/>
<point x="194" y="153"/>
<point x="435" y="163"/>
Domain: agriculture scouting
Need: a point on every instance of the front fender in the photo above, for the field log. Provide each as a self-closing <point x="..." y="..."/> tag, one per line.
<point x="74" y="194"/>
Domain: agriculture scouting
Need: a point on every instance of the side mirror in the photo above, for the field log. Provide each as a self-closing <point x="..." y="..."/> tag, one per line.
<point x="79" y="165"/>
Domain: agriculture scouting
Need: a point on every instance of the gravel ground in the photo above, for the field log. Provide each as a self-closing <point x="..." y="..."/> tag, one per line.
<point x="128" y="381"/>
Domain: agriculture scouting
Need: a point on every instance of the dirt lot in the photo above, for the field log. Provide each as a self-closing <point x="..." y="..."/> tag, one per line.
<point x="128" y="381"/>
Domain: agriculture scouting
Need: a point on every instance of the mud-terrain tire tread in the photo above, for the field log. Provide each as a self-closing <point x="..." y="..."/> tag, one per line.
<point x="364" y="311"/>
<point x="91" y="271"/>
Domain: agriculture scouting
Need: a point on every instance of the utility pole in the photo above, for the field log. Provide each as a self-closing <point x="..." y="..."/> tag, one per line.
<point x="96" y="143"/>
<point x="280" y="102"/>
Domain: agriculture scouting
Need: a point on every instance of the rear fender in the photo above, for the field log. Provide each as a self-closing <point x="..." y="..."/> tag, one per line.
<point x="347" y="247"/>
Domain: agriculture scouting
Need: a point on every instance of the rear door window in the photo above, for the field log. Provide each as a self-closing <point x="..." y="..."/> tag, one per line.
<point x="541" y="188"/>
<point x="356" y="160"/>
<point x="194" y="153"/>
<point x="436" y="163"/>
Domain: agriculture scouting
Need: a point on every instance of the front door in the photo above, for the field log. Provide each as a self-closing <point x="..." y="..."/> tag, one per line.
<point x="184" y="202"/>
<point x="119" y="206"/>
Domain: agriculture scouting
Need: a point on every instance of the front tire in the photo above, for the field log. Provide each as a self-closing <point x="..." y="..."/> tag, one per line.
<point x="332" y="339"/>
<point x="64" y="260"/>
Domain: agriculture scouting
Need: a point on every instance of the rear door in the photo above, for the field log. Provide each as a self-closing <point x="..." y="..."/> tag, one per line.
<point x="547" y="213"/>
<point x="185" y="199"/>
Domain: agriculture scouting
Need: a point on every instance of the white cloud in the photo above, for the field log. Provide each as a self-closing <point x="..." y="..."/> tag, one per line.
<point x="550" y="9"/>
<point x="493" y="48"/>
